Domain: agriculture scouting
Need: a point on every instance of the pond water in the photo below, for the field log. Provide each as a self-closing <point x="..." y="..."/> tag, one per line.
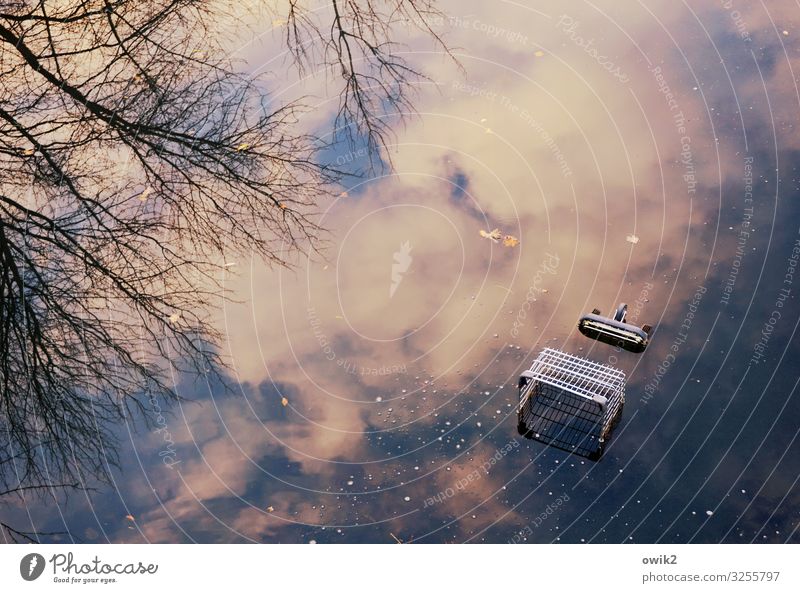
<point x="645" y="154"/>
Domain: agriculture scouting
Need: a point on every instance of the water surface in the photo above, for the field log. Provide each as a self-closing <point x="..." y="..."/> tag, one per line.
<point x="646" y="154"/>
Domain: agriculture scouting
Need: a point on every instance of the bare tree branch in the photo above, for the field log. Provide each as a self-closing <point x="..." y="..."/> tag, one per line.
<point x="356" y="44"/>
<point x="135" y="159"/>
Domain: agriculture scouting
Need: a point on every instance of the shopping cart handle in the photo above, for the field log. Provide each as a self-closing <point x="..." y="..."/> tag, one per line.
<point x="616" y="331"/>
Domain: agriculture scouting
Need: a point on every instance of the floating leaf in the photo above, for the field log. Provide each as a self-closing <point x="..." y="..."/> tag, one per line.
<point x="270" y="509"/>
<point x="174" y="317"/>
<point x="29" y="151"/>
<point x="632" y="239"/>
<point x="494" y="236"/>
<point x="510" y="241"/>
<point x="284" y="402"/>
<point x="145" y="193"/>
<point x="243" y="146"/>
<point x="130" y="518"/>
<point x="538" y="53"/>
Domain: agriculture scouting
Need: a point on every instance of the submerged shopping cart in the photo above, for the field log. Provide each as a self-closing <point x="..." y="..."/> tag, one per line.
<point x="570" y="402"/>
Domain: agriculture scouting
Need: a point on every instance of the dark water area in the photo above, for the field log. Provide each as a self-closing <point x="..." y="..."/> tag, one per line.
<point x="375" y="387"/>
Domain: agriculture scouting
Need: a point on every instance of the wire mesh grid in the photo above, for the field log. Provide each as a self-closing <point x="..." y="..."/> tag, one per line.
<point x="558" y="404"/>
<point x="579" y="375"/>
